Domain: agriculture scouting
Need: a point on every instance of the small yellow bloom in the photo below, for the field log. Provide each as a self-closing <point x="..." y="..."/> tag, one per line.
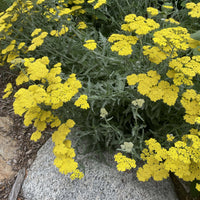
<point x="82" y="25"/>
<point x="198" y="186"/>
<point x="36" y="32"/>
<point x="8" y="90"/>
<point x="152" y="11"/>
<point x="36" y="136"/>
<point x="170" y="137"/>
<point x="124" y="163"/>
<point x="21" y="44"/>
<point x="90" y="44"/>
<point x="82" y="102"/>
<point x="99" y="3"/>
<point x="167" y="7"/>
<point x="77" y="174"/>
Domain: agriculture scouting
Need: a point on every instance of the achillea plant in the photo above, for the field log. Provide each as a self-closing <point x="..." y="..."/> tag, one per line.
<point x="127" y="80"/>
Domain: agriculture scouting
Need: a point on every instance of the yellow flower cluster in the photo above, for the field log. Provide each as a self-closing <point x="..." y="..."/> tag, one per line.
<point x="184" y="69"/>
<point x="66" y="9"/>
<point x="172" y="21"/>
<point x="152" y="11"/>
<point x="37" y="41"/>
<point x="63" y="151"/>
<point x="9" y="15"/>
<point x="98" y="4"/>
<point x="193" y="43"/>
<point x="194" y="9"/>
<point x="9" y="48"/>
<point x="122" y="43"/>
<point x="168" y="41"/>
<point x="124" y="163"/>
<point x="57" y="33"/>
<point x="40" y="2"/>
<point x="149" y="85"/>
<point x="82" y="102"/>
<point x="82" y="25"/>
<point x="8" y="90"/>
<point x="191" y="102"/>
<point x="77" y="1"/>
<point x="36" y="69"/>
<point x="90" y="44"/>
<point x="139" y="24"/>
<point x="51" y="92"/>
<point x="182" y="159"/>
<point x="170" y="137"/>
<point x="154" y="54"/>
<point x="167" y="7"/>
<point x="154" y="166"/>
<point x="172" y="39"/>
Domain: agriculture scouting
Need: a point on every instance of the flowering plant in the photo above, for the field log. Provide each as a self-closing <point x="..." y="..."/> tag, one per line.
<point x="134" y="75"/>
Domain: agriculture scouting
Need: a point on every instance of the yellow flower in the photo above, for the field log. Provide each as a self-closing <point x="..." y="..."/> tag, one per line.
<point x="82" y="25"/>
<point x="77" y="174"/>
<point x="172" y="21"/>
<point x="124" y="163"/>
<point x="22" y="78"/>
<point x="167" y="7"/>
<point x="139" y="24"/>
<point x="198" y="186"/>
<point x="170" y="137"/>
<point x="194" y="9"/>
<point x="90" y="44"/>
<point x="77" y="1"/>
<point x="82" y="102"/>
<point x="99" y="3"/>
<point x="21" y="44"/>
<point x="40" y="1"/>
<point x="32" y="47"/>
<point x="36" y="136"/>
<point x="172" y="39"/>
<point x="154" y="54"/>
<point x="91" y="1"/>
<point x="36" y="32"/>
<point x="152" y="11"/>
<point x="8" y="90"/>
<point x="122" y="43"/>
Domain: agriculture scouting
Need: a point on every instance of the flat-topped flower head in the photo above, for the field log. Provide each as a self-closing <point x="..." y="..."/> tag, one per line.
<point x="90" y="44"/>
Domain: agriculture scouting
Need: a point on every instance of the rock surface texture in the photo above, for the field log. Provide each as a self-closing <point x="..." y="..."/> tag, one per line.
<point x="101" y="181"/>
<point x="8" y="149"/>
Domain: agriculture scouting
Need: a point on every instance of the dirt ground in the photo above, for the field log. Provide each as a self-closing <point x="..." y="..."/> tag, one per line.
<point x="27" y="148"/>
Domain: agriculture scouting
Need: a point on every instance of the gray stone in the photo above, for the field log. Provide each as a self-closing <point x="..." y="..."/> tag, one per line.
<point x="101" y="181"/>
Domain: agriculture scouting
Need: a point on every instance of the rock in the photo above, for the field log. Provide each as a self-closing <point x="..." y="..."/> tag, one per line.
<point x="101" y="182"/>
<point x="8" y="148"/>
<point x="6" y="124"/>
<point x="5" y="170"/>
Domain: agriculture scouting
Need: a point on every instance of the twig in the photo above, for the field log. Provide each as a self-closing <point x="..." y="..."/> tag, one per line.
<point x="17" y="185"/>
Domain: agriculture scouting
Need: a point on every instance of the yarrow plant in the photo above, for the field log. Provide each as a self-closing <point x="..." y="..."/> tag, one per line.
<point x="128" y="79"/>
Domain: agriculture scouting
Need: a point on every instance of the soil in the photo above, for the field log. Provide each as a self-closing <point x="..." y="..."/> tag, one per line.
<point x="27" y="148"/>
